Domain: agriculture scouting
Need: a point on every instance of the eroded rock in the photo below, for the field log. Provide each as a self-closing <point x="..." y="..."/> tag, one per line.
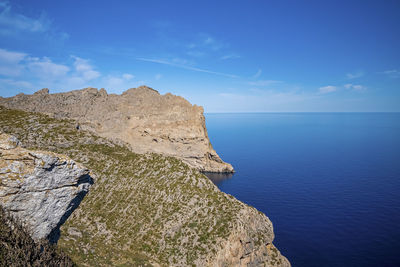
<point x="41" y="188"/>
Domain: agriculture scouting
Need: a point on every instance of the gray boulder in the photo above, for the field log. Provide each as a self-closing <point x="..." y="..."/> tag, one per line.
<point x="41" y="189"/>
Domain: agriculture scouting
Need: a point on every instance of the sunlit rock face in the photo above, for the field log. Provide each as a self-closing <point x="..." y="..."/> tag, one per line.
<point x="147" y="121"/>
<point x="40" y="189"/>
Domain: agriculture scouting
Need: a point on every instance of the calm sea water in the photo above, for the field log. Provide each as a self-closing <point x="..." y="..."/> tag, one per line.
<point x="329" y="182"/>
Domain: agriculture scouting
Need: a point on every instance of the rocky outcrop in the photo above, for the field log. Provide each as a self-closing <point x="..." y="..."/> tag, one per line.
<point x="147" y="121"/>
<point x="146" y="209"/>
<point x="41" y="189"/>
<point x="250" y="244"/>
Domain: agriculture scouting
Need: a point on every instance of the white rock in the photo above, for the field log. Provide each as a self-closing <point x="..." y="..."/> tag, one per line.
<point x="41" y="189"/>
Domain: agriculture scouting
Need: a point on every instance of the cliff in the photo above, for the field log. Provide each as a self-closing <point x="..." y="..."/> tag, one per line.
<point x="146" y="209"/>
<point x="147" y="121"/>
<point x="40" y="189"/>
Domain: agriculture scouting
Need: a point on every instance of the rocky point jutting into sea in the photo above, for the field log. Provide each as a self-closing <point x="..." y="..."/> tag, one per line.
<point x="142" y="209"/>
<point x="147" y="121"/>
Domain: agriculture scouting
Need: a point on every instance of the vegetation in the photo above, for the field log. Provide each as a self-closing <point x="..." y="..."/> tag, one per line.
<point x="17" y="248"/>
<point x="142" y="209"/>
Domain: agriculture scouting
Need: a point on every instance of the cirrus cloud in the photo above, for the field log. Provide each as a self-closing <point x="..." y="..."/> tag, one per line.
<point x="354" y="75"/>
<point x="392" y="73"/>
<point x="20" y="71"/>
<point x="11" y="22"/>
<point x="327" y="89"/>
<point x="356" y="87"/>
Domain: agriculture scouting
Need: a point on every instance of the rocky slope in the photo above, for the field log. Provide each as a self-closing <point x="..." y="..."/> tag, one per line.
<point x="147" y="209"/>
<point x="141" y="117"/>
<point x="41" y="189"/>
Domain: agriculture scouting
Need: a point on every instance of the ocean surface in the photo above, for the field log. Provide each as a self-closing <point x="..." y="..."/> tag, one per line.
<point x="329" y="182"/>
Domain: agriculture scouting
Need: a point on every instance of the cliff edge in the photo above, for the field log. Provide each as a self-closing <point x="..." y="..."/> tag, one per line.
<point x="147" y="121"/>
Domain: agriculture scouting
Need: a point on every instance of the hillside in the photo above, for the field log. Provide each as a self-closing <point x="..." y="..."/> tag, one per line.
<point x="146" y="209"/>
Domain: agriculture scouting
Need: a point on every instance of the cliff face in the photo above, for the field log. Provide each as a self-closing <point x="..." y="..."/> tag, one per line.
<point x="141" y="117"/>
<point x="41" y="189"/>
<point x="147" y="209"/>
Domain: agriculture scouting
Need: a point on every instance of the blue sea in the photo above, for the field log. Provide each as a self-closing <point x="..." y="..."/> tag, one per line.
<point x="329" y="182"/>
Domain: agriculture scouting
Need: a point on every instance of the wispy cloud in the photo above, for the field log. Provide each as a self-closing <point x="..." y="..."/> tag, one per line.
<point x="182" y="66"/>
<point x="356" y="87"/>
<point x="85" y="69"/>
<point x="45" y="68"/>
<point x="21" y="70"/>
<point x="210" y="42"/>
<point x="392" y="73"/>
<point x="158" y="76"/>
<point x="354" y="75"/>
<point x="10" y="22"/>
<point x="14" y="83"/>
<point x="127" y="76"/>
<point x="203" y="45"/>
<point x="118" y="82"/>
<point x="10" y="62"/>
<point x="14" y="24"/>
<point x="327" y="89"/>
<point x="258" y="74"/>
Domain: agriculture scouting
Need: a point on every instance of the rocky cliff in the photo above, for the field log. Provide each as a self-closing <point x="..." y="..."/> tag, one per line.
<point x="41" y="189"/>
<point x="146" y="209"/>
<point x="147" y="121"/>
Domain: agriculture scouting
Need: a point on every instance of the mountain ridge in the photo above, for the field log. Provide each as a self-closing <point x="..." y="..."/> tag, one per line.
<point x="148" y="121"/>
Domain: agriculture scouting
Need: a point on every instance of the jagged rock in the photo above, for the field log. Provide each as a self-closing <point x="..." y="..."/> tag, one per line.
<point x="147" y="121"/>
<point x="41" y="189"/>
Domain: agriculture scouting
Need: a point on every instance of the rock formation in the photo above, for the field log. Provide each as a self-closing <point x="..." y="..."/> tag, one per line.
<point x="41" y="189"/>
<point x="147" y="121"/>
<point x="146" y="209"/>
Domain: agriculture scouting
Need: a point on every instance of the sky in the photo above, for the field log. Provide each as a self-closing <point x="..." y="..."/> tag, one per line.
<point x="227" y="56"/>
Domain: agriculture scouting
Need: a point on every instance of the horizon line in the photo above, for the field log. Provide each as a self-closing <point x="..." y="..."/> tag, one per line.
<point x="291" y="112"/>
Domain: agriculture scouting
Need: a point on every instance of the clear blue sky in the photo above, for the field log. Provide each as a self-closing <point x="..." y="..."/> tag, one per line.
<point x="228" y="56"/>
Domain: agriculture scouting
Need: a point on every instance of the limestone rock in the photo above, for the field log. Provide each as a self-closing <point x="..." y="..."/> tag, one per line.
<point x="147" y="121"/>
<point x="244" y="248"/>
<point x="146" y="209"/>
<point x="41" y="189"/>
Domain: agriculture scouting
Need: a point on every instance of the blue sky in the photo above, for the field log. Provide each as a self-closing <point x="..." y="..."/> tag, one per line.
<point x="228" y="56"/>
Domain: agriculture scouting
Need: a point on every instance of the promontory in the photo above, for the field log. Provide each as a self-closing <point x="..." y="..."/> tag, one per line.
<point x="138" y="160"/>
<point x="147" y="121"/>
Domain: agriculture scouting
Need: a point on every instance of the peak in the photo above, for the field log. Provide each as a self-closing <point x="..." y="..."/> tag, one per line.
<point x="90" y="90"/>
<point x="103" y="92"/>
<point x="44" y="91"/>
<point x="144" y="87"/>
<point x="141" y="89"/>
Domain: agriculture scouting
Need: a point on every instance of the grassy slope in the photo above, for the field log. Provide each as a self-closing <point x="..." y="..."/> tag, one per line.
<point x="142" y="209"/>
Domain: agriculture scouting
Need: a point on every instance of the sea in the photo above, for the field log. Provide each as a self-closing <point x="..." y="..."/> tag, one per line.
<point x="329" y="182"/>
